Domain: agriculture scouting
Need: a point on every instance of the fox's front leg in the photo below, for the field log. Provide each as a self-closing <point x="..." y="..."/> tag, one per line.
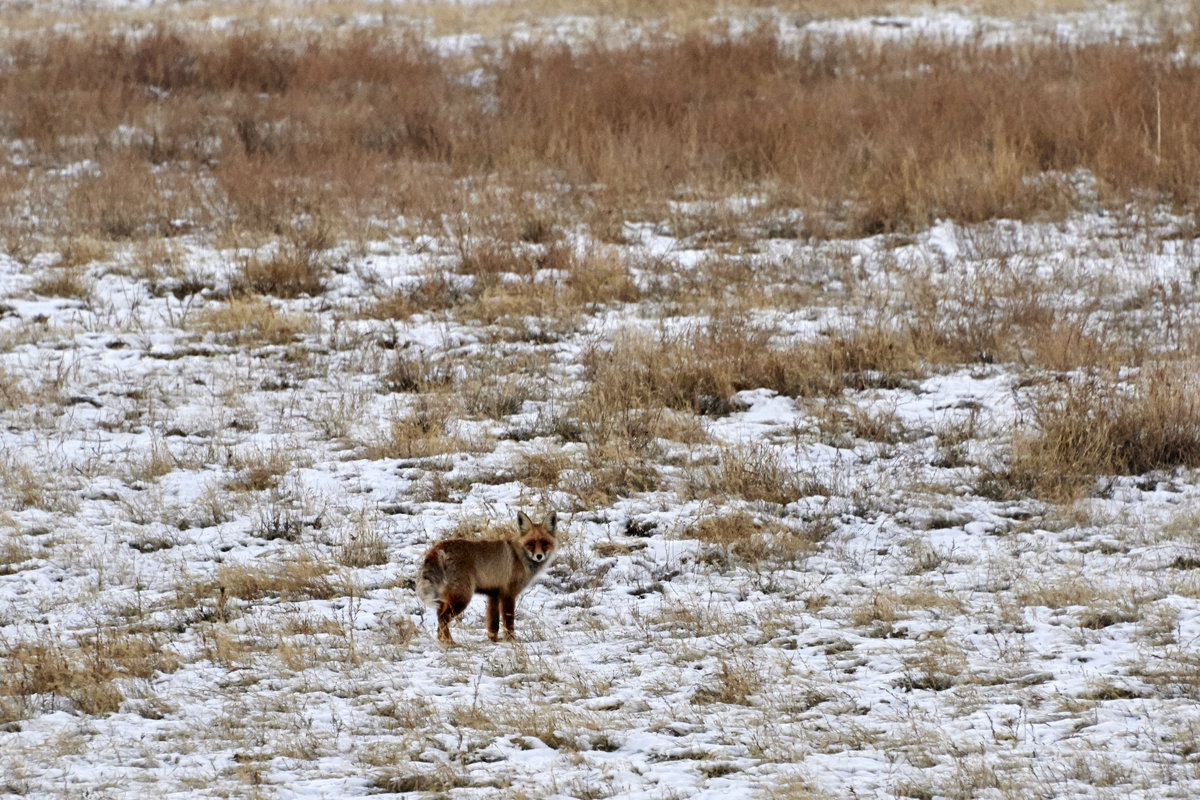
<point x="509" y="608"/>
<point x="493" y="617"/>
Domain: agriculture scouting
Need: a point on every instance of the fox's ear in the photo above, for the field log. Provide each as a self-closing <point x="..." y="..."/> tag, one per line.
<point x="523" y="523"/>
<point x="552" y="522"/>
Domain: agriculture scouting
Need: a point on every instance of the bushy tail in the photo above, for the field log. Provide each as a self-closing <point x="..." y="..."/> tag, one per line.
<point x="432" y="578"/>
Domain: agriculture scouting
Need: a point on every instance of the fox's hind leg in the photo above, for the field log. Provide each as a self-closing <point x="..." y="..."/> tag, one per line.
<point x="447" y="610"/>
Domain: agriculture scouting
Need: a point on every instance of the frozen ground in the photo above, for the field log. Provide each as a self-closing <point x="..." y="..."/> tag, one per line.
<point x="1070" y="22"/>
<point x="932" y="643"/>
<point x="206" y="554"/>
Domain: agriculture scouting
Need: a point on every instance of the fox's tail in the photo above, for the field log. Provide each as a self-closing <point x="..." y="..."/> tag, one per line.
<point x="432" y="578"/>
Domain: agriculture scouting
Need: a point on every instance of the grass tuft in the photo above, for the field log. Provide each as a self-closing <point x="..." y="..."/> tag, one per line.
<point x="291" y="271"/>
<point x="87" y="672"/>
<point x="371" y="124"/>
<point x="1098" y="426"/>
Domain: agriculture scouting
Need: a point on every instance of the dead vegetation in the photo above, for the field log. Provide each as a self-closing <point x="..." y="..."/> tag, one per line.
<point x="754" y="539"/>
<point x="906" y="133"/>
<point x="250" y="321"/>
<point x="288" y="580"/>
<point x="701" y="369"/>
<point x="89" y="674"/>
<point x="1101" y="426"/>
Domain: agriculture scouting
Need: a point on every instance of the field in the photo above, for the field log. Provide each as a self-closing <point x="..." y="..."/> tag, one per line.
<point x="855" y="345"/>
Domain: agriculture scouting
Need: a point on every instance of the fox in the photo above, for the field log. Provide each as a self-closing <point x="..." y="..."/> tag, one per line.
<point x="499" y="569"/>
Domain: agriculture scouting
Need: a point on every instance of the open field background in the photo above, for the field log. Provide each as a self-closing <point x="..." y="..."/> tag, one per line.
<point x="855" y="344"/>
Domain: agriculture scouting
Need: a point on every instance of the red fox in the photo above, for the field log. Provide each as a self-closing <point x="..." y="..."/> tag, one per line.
<point x="455" y="569"/>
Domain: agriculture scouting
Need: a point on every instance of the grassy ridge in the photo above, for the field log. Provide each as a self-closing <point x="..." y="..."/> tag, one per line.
<point x="249" y="130"/>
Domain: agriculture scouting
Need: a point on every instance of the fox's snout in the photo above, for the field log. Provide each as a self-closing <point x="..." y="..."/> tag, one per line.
<point x="539" y="550"/>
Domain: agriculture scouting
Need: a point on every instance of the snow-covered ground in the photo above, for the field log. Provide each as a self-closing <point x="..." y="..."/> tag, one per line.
<point x="207" y="547"/>
<point x="1065" y="22"/>
<point x="930" y="643"/>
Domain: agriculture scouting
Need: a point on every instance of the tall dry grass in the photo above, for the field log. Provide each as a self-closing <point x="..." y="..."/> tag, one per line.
<point x="866" y="138"/>
<point x="1100" y="426"/>
<point x="702" y="368"/>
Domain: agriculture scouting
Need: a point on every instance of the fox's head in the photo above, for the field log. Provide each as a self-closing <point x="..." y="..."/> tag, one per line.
<point x="538" y="539"/>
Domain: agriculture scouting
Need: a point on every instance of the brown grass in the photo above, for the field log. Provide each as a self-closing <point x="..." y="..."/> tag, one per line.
<point x="436" y="292"/>
<point x="701" y="369"/>
<point x="299" y="579"/>
<point x="82" y="251"/>
<point x="28" y="485"/>
<point x="62" y="282"/>
<point x="86" y="672"/>
<point x="250" y="321"/>
<point x="362" y="546"/>
<point x="12" y="393"/>
<point x="414" y="372"/>
<point x="259" y="469"/>
<point x="417" y="432"/>
<point x="291" y="271"/>
<point x="864" y="139"/>
<point x="608" y="475"/>
<point x="600" y="279"/>
<point x="1101" y="426"/>
<point x="998" y="314"/>
<point x="755" y="472"/>
<point x="754" y="539"/>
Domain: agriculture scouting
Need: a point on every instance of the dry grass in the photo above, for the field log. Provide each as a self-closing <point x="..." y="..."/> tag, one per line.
<point x="457" y="244"/>
<point x="86" y="673"/>
<point x="362" y="544"/>
<point x="82" y="251"/>
<point x="154" y="464"/>
<point x="1003" y="312"/>
<point x="701" y="369"/>
<point x="162" y="263"/>
<point x="13" y="554"/>
<point x="600" y="278"/>
<point x="28" y="485"/>
<point x="12" y="393"/>
<point x="414" y="372"/>
<point x="437" y="292"/>
<point x="936" y="664"/>
<point x="62" y="281"/>
<point x="1099" y="426"/>
<point x="540" y="469"/>
<point x="250" y="321"/>
<point x="259" y="469"/>
<point x="754" y="472"/>
<point x="421" y="431"/>
<point x="299" y="579"/>
<point x="609" y="475"/>
<point x="754" y="539"/>
<point x="293" y="270"/>
<point x="737" y="681"/>
<point x="1177" y="675"/>
<point x="892" y="136"/>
